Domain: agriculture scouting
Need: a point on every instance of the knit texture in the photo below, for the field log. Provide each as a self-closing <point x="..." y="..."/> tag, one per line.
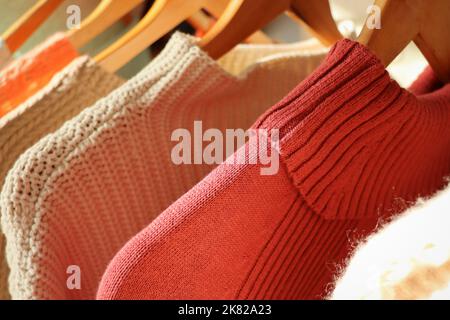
<point x="26" y="75"/>
<point x="75" y="88"/>
<point x="354" y="148"/>
<point x="5" y="54"/>
<point x="408" y="258"/>
<point x="79" y="194"/>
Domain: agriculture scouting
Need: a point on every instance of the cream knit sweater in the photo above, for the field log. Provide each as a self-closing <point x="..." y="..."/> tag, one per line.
<point x="408" y="258"/>
<point x="79" y="194"/>
<point x="76" y="87"/>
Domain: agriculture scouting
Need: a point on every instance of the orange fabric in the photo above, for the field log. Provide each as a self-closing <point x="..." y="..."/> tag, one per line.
<point x="25" y="76"/>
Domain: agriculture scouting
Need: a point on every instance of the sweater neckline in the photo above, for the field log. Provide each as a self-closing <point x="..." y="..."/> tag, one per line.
<point x="426" y="84"/>
<point x="344" y="117"/>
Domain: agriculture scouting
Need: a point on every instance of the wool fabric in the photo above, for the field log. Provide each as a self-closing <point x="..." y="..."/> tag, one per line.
<point x="79" y="194"/>
<point x="354" y="148"/>
<point x="25" y="76"/>
<point x="75" y="88"/>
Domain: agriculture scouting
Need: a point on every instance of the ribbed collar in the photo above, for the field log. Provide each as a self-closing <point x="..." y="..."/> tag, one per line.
<point x="354" y="141"/>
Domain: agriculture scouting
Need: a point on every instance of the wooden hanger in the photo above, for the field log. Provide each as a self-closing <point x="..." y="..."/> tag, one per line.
<point x="425" y="22"/>
<point x="16" y="35"/>
<point x="162" y="18"/>
<point x="201" y="21"/>
<point x="243" y="17"/>
<point x="104" y="15"/>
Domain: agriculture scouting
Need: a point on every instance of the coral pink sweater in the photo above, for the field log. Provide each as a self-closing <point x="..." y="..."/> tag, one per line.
<point x="355" y="147"/>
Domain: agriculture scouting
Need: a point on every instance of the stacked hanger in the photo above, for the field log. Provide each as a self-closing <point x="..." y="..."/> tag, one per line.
<point x="424" y="22"/>
<point x="242" y="17"/>
<point x="253" y="16"/>
<point x="109" y="11"/>
<point x="165" y="15"/>
<point x="104" y="15"/>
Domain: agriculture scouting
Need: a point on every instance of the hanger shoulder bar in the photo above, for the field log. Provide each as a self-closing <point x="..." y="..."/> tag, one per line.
<point x="217" y="7"/>
<point x="22" y="29"/>
<point x="399" y="26"/>
<point x="240" y="20"/>
<point x="425" y="22"/>
<point x="316" y="16"/>
<point x="243" y="17"/>
<point x="162" y="18"/>
<point x="104" y="15"/>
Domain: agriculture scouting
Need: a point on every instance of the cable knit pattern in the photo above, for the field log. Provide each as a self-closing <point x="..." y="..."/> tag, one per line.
<point x="26" y="75"/>
<point x="409" y="258"/>
<point x="79" y="194"/>
<point x="76" y="87"/>
<point x="354" y="147"/>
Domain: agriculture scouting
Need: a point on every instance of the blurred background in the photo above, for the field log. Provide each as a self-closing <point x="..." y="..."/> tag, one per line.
<point x="349" y="14"/>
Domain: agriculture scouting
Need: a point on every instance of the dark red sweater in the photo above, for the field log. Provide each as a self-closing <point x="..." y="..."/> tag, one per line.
<point x="355" y="148"/>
